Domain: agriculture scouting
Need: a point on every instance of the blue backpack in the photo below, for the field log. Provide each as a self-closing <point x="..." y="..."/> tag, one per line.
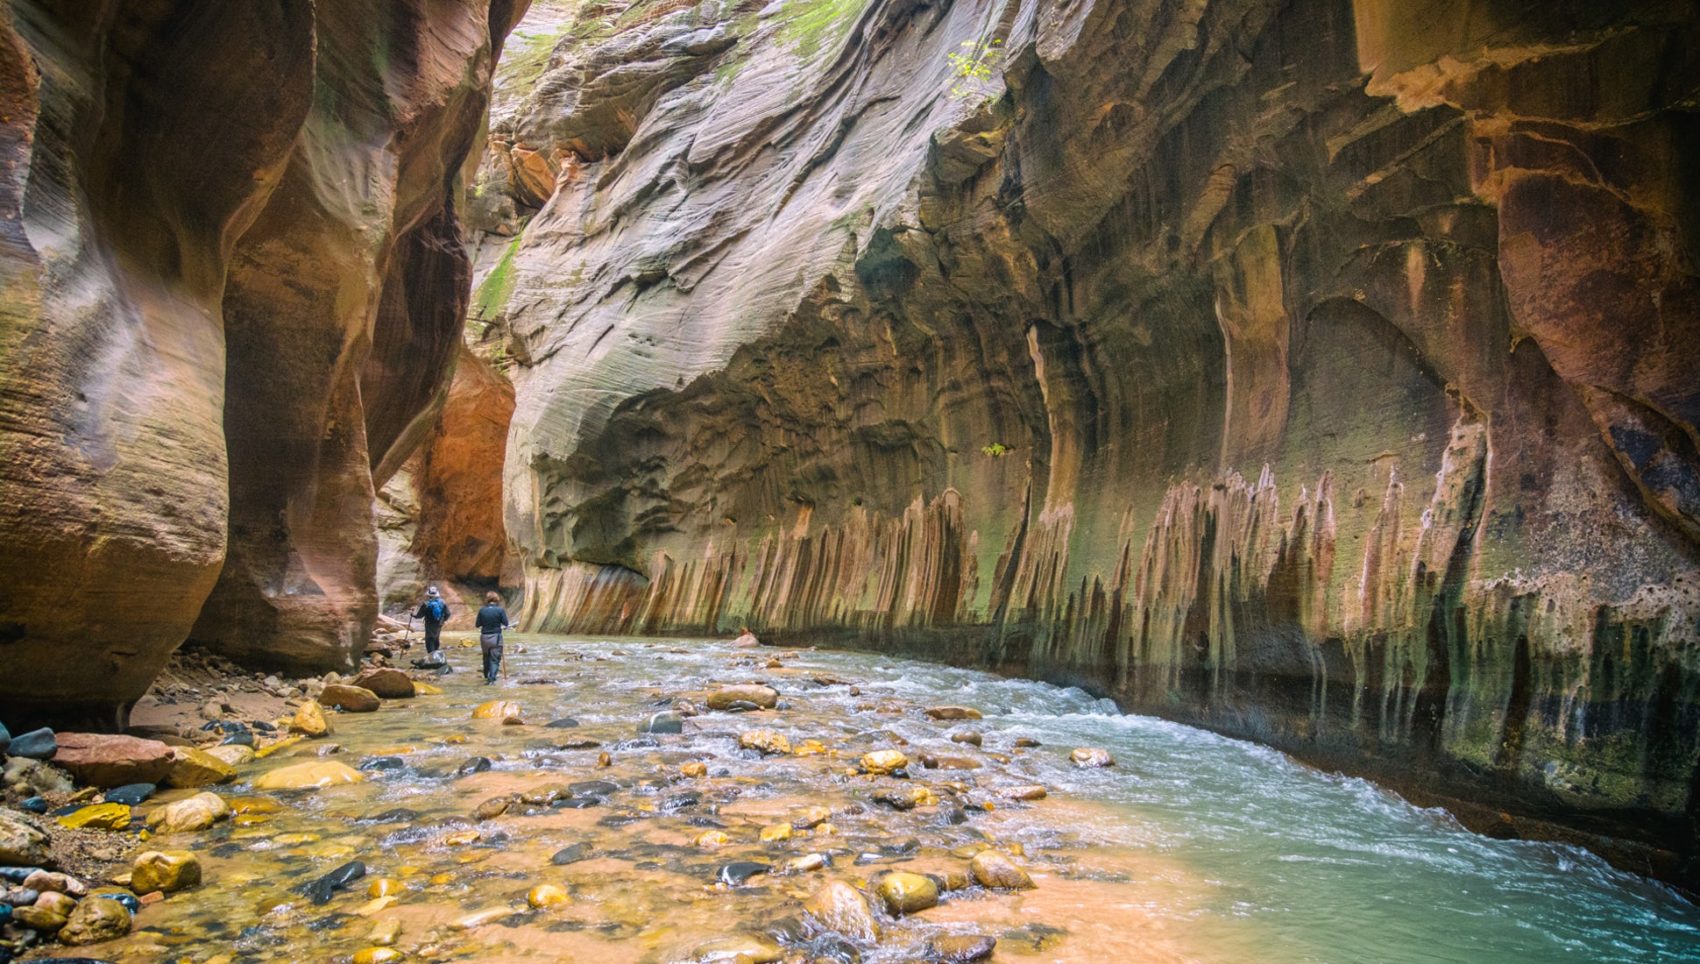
<point x="436" y="610"/>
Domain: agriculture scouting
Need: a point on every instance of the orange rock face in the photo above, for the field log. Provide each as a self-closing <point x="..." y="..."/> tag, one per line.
<point x="233" y="284"/>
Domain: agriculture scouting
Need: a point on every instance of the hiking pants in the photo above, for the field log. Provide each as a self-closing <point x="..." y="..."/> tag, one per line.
<point x="491" y="645"/>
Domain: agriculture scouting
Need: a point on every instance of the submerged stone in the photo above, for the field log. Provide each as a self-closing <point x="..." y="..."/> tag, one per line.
<point x="665" y="722"/>
<point x="739" y="871"/>
<point x="322" y="889"/>
<point x="841" y="908"/>
<point x="309" y="776"/>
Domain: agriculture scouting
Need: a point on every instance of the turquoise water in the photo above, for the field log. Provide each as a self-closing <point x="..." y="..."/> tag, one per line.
<point x="1311" y="866"/>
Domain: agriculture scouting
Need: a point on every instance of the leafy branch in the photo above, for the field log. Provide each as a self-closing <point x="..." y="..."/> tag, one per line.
<point x="973" y="66"/>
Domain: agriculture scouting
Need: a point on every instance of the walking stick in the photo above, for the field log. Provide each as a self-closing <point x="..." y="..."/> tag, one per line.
<point x="407" y="637"/>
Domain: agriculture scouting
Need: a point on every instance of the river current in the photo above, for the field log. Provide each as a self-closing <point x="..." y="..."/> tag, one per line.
<point x="1192" y="847"/>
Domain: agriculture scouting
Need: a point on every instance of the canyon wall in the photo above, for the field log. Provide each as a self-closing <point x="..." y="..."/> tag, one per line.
<point x="1319" y="373"/>
<point x="234" y="289"/>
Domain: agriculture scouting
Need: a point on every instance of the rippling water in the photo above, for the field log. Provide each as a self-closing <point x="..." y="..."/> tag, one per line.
<point x="1195" y="847"/>
<point x="1322" y="867"/>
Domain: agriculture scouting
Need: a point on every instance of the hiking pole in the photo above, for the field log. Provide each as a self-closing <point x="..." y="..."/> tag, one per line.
<point x="407" y="637"/>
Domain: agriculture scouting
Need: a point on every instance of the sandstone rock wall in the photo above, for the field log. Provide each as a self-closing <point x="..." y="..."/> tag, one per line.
<point x="234" y="288"/>
<point x="1321" y="373"/>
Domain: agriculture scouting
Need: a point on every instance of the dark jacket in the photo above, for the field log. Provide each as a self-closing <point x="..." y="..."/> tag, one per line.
<point x="425" y="613"/>
<point x="492" y="619"/>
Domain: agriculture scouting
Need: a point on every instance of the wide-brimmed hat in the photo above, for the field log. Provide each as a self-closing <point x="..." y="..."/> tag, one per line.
<point x="432" y="592"/>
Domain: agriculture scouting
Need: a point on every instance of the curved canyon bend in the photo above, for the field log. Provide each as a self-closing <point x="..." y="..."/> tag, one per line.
<point x="1278" y="420"/>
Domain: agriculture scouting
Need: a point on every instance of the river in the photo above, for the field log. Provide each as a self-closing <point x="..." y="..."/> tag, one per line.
<point x="1193" y="847"/>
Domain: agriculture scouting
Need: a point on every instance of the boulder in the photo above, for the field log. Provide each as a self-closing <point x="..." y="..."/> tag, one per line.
<point x="310" y="720"/>
<point x="907" y="893"/>
<point x="45" y="881"/>
<point x="21" y="844"/>
<point x="953" y="712"/>
<point x="349" y="699"/>
<point x="186" y="816"/>
<point x="309" y="776"/>
<point x="42" y="919"/>
<point x="94" y="921"/>
<point x="841" y="908"/>
<point x="1088" y="757"/>
<point x="166" y="871"/>
<point x="130" y="794"/>
<point x="198" y="768"/>
<point x="503" y="710"/>
<point x="112" y="760"/>
<point x="97" y="816"/>
<point x="389" y="684"/>
<point x="996" y="871"/>
<point x="883" y="761"/>
<point x="764" y="697"/>
<point x="767" y="742"/>
<point x="234" y="754"/>
<point x="34" y="745"/>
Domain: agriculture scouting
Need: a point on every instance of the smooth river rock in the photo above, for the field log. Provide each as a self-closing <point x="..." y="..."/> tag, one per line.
<point x="165" y="870"/>
<point x="350" y="699"/>
<point x="112" y="760"/>
<point x="841" y="908"/>
<point x="316" y="775"/>
<point x="765" y="697"/>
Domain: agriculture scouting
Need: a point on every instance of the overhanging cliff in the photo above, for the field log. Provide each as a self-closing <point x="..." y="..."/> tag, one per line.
<point x="1321" y="373"/>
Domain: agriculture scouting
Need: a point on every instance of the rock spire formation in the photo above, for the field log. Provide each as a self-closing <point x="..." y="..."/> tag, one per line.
<point x="234" y="288"/>
<point x="1320" y="373"/>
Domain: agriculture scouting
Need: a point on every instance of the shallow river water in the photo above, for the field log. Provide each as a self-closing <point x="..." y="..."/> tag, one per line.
<point x="1193" y="847"/>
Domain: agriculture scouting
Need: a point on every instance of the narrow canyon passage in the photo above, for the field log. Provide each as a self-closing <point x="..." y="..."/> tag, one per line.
<point x="1191" y="847"/>
<point x="1212" y="480"/>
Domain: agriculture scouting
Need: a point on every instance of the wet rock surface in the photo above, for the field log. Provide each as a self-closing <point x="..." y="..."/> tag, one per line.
<point x="1332" y="393"/>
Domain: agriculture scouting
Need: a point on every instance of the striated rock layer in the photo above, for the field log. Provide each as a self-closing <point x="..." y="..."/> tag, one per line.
<point x="1319" y="373"/>
<point x="234" y="286"/>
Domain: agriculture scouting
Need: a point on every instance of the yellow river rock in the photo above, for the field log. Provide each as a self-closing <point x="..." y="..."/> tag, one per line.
<point x="546" y="895"/>
<point x="496" y="710"/>
<point x="310" y="720"/>
<point x="97" y="816"/>
<point x="884" y="761"/>
<point x="302" y="776"/>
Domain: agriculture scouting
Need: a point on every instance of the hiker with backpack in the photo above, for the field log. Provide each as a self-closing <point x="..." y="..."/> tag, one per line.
<point x="435" y="612"/>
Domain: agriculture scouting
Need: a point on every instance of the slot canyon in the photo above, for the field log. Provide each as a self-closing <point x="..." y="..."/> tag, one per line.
<point x="1319" y="376"/>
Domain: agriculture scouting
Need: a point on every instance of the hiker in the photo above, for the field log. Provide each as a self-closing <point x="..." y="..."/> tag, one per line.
<point x="492" y="619"/>
<point x="435" y="612"/>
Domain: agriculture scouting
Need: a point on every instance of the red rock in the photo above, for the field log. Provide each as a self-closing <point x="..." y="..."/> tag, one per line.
<point x="111" y="760"/>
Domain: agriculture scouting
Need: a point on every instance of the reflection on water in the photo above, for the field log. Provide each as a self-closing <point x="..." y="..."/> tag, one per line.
<point x="1194" y="847"/>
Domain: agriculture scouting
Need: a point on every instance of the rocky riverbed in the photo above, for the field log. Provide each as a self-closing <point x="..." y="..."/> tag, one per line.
<point x="699" y="801"/>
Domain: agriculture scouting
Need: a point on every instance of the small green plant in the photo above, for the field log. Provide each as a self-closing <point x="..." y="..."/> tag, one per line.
<point x="996" y="450"/>
<point x="973" y="68"/>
